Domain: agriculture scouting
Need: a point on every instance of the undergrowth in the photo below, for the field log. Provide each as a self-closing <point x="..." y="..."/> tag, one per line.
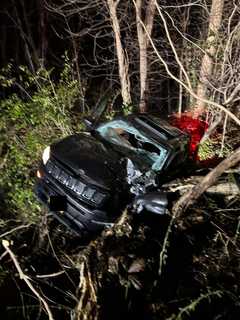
<point x="36" y="114"/>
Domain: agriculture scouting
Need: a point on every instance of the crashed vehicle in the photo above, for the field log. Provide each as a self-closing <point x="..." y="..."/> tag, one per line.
<point x="86" y="179"/>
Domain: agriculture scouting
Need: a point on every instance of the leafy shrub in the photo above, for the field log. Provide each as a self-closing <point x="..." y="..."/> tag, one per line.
<point x="29" y="121"/>
<point x="211" y="148"/>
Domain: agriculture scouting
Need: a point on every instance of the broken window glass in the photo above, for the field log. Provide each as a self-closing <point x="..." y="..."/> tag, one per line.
<point x="123" y="134"/>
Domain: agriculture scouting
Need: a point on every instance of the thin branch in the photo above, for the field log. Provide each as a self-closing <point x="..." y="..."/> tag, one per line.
<point x="52" y="275"/>
<point x="172" y="45"/>
<point x="15" y="229"/>
<point x="25" y="278"/>
<point x="191" y="92"/>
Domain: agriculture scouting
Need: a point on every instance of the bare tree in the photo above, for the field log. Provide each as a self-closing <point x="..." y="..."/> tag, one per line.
<point x="215" y="20"/>
<point x="187" y="86"/>
<point x="43" y="32"/>
<point x="120" y="49"/>
<point x="123" y="63"/>
<point x="143" y="42"/>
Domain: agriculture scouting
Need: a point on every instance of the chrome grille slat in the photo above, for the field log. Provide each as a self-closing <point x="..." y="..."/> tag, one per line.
<point x="85" y="192"/>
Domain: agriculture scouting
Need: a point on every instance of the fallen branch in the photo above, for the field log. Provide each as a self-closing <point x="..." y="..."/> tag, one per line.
<point x="25" y="278"/>
<point x="224" y="188"/>
<point x="192" y="195"/>
<point x="22" y="226"/>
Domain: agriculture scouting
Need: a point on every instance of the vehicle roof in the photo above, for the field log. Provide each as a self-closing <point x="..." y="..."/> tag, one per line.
<point x="155" y="123"/>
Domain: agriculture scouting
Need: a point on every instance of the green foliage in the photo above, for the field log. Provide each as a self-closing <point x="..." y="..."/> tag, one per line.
<point x="212" y="148"/>
<point x="110" y="114"/>
<point x="127" y="109"/>
<point x="29" y="121"/>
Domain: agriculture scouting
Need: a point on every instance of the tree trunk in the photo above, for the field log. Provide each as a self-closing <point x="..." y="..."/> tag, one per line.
<point x="206" y="70"/>
<point x="123" y="64"/>
<point x="43" y="33"/>
<point x="143" y="46"/>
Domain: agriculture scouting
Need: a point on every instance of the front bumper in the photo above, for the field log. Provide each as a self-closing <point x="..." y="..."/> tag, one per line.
<point x="79" y="217"/>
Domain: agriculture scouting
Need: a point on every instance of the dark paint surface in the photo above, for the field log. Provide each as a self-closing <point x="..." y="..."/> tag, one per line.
<point x="88" y="158"/>
<point x="122" y="166"/>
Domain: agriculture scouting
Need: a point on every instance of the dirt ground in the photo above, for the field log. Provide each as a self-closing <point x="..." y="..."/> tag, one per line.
<point x="146" y="267"/>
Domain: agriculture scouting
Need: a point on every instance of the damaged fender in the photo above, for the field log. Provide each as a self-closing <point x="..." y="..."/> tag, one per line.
<point x="139" y="182"/>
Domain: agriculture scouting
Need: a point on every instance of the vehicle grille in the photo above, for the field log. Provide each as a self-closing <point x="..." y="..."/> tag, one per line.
<point x="88" y="194"/>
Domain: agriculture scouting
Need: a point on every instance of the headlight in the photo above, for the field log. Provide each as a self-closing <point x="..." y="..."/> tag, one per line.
<point x="46" y="155"/>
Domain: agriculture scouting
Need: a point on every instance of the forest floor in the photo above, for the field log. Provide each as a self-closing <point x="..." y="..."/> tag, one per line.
<point x="147" y="267"/>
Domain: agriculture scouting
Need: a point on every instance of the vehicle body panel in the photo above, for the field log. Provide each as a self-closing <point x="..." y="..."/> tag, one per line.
<point x="102" y="171"/>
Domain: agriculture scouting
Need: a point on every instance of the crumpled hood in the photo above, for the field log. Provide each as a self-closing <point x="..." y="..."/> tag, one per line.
<point x="89" y="159"/>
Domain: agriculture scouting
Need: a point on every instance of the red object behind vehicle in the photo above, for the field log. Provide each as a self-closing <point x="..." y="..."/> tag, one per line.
<point x="194" y="127"/>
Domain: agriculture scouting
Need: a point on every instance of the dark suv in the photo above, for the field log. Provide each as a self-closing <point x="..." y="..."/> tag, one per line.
<point x="87" y="178"/>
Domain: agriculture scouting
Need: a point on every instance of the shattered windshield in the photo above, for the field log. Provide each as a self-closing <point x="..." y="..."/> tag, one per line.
<point x="123" y="134"/>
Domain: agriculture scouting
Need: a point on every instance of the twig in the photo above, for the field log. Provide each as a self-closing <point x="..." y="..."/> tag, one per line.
<point x="193" y="304"/>
<point x="3" y="255"/>
<point x="163" y="252"/>
<point x="223" y="135"/>
<point x="56" y="274"/>
<point x="188" y="89"/>
<point x="237" y="233"/>
<point x="25" y="278"/>
<point x="15" y="229"/>
<point x="212" y="128"/>
<point x="172" y="46"/>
